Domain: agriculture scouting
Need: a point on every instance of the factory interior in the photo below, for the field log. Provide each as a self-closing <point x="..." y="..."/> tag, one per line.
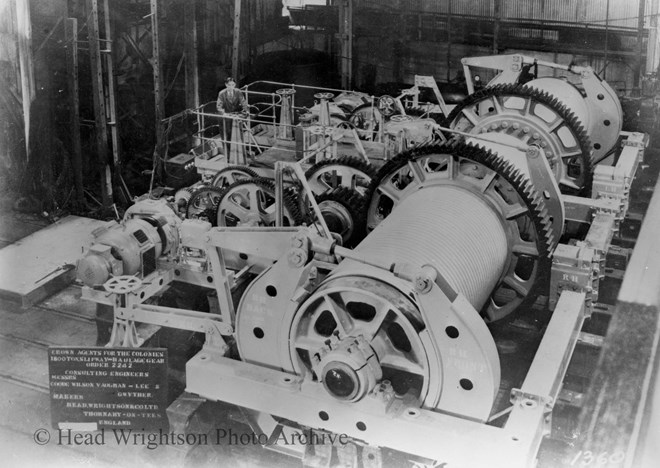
<point x="330" y="233"/>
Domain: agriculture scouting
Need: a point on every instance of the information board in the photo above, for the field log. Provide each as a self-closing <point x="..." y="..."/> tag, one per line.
<point x="108" y="387"/>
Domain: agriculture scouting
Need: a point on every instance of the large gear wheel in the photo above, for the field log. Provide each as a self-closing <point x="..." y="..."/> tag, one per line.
<point x="230" y="174"/>
<point x="343" y="211"/>
<point x="252" y="202"/>
<point x="344" y="171"/>
<point x="489" y="176"/>
<point x="535" y="118"/>
<point x="203" y="202"/>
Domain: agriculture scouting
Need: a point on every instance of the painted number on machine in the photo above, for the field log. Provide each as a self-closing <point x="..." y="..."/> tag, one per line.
<point x="588" y="458"/>
<point x="571" y="278"/>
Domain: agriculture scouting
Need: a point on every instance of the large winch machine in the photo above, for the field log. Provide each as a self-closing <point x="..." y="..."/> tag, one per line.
<point x="388" y="342"/>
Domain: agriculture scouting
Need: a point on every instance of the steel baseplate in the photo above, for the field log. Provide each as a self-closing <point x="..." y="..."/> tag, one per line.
<point x="382" y="421"/>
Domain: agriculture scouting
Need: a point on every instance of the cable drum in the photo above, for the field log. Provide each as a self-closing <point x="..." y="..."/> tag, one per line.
<point x="448" y="227"/>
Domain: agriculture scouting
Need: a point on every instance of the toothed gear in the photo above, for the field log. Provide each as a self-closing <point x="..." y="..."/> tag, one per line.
<point x="203" y="203"/>
<point x="503" y="185"/>
<point x="346" y="171"/>
<point x="558" y="132"/>
<point x="343" y="212"/>
<point x="230" y="174"/>
<point x="252" y="201"/>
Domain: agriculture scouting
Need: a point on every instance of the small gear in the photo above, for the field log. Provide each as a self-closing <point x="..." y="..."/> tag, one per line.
<point x="203" y="202"/>
<point x="343" y="211"/>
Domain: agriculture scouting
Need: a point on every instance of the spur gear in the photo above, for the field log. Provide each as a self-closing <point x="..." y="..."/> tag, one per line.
<point x="230" y="174"/>
<point x="252" y="201"/>
<point x="343" y="211"/>
<point x="344" y="171"/>
<point x="535" y="118"/>
<point x="203" y="202"/>
<point x="492" y="178"/>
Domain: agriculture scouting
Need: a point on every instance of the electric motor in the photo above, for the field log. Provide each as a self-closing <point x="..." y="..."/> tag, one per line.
<point x="149" y="230"/>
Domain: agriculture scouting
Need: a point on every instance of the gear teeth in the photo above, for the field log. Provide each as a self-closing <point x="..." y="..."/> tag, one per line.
<point x="207" y="211"/>
<point x="354" y="203"/>
<point x="545" y="241"/>
<point x="290" y="203"/>
<point x="550" y="100"/>
<point x="350" y="161"/>
<point x="249" y="172"/>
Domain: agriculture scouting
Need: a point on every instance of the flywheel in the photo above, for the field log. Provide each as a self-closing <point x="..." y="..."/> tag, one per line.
<point x="535" y="118"/>
<point x="492" y="178"/>
<point x="252" y="202"/>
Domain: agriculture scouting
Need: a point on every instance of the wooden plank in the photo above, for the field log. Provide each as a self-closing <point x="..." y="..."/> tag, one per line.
<point x="41" y="264"/>
<point x="615" y="405"/>
<point x="617" y="410"/>
<point x="641" y="284"/>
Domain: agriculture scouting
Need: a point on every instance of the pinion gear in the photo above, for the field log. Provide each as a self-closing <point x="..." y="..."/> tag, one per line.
<point x="343" y="211"/>
<point x="203" y="203"/>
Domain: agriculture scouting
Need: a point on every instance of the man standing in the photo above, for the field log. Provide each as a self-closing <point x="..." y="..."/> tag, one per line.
<point x="230" y="100"/>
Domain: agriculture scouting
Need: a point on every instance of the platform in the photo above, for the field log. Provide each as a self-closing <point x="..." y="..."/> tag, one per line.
<point x="43" y="262"/>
